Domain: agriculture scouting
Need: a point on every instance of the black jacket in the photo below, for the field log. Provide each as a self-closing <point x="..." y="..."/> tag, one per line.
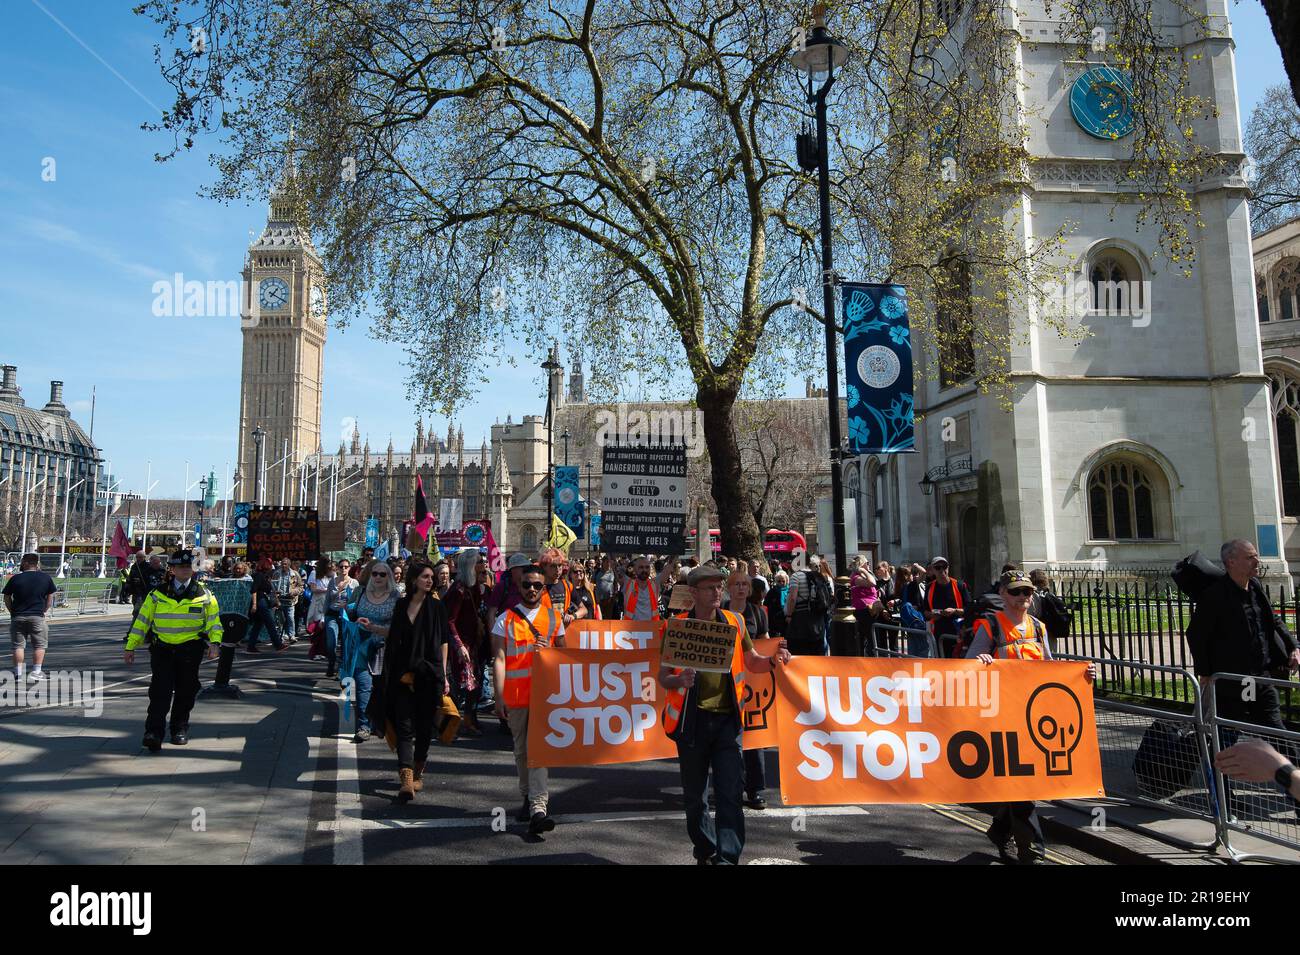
<point x="1219" y="636"/>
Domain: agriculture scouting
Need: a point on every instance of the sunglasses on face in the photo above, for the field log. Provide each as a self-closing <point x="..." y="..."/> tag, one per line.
<point x="531" y="585"/>
<point x="378" y="575"/>
<point x="1022" y="592"/>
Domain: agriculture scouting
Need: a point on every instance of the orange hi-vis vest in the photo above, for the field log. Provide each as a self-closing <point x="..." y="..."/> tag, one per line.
<point x="676" y="700"/>
<point x="633" y="592"/>
<point x="568" y="598"/>
<point x="1014" y="643"/>
<point x="521" y="642"/>
<point x="956" y="594"/>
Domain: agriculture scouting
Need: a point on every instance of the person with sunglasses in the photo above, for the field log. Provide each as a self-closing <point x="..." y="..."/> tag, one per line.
<point x="1013" y="634"/>
<point x="528" y="626"/>
<point x="584" y="595"/>
<point x="363" y="645"/>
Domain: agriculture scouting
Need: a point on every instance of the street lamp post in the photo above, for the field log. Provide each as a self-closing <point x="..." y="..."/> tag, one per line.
<point x="821" y="55"/>
<point x="259" y="438"/>
<point x="566" y="436"/>
<point x="108" y="506"/>
<point x="67" y="504"/>
<point x="551" y="365"/>
<point x="203" y="500"/>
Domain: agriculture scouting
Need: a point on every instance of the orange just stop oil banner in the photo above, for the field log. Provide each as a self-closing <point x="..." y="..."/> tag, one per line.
<point x="856" y="730"/>
<point x="590" y="707"/>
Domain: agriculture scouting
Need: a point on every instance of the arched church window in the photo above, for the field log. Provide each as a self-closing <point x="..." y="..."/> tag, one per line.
<point x="853" y="489"/>
<point x="1261" y="299"/>
<point x="1286" y="280"/>
<point x="528" y="539"/>
<point x="1285" y="392"/>
<point x="1116" y="280"/>
<point x="1123" y="499"/>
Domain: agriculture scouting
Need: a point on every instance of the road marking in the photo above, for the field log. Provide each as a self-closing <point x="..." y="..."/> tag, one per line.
<point x="981" y="827"/>
<point x="347" y="804"/>
<point x="474" y="822"/>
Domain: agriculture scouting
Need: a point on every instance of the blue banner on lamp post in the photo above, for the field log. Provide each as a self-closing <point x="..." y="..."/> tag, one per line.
<point x="878" y="368"/>
<point x="569" y="505"/>
<point x="372" y="532"/>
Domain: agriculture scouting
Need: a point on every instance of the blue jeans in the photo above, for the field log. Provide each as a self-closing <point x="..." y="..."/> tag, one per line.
<point x="284" y="614"/>
<point x="332" y="641"/>
<point x="263" y="618"/>
<point x="714" y="745"/>
<point x="363" y="684"/>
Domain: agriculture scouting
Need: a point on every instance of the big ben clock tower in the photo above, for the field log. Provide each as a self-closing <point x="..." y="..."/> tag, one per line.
<point x="284" y="325"/>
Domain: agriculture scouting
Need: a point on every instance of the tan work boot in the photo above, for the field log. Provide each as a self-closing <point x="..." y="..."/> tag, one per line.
<point x="407" y="792"/>
<point x="418" y="776"/>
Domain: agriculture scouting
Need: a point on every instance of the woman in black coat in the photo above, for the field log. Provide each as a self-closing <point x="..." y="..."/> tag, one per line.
<point x="415" y="674"/>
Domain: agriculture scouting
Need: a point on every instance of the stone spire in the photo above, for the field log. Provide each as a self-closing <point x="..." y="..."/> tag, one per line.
<point x="356" y="439"/>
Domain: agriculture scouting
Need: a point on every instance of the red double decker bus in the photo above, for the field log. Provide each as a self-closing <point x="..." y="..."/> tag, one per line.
<point x="781" y="545"/>
<point x="777" y="544"/>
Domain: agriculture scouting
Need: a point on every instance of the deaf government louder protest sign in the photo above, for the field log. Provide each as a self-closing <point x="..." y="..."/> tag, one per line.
<point x="849" y="730"/>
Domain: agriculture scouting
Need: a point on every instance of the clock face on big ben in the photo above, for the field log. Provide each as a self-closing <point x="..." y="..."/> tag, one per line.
<point x="317" y="301"/>
<point x="272" y="293"/>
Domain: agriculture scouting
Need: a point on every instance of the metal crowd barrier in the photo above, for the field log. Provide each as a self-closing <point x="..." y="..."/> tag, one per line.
<point x="1260" y="809"/>
<point x="95" y="599"/>
<point x="901" y="642"/>
<point x="1155" y="757"/>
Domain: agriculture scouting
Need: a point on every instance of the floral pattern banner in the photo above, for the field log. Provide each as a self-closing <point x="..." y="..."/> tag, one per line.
<point x="878" y="368"/>
<point x="569" y="505"/>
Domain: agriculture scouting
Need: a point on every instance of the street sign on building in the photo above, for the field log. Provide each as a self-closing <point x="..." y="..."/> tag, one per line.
<point x="643" y="497"/>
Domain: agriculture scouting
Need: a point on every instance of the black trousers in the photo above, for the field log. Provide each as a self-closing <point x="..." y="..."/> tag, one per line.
<point x="1264" y="710"/>
<point x="755" y="775"/>
<point x="713" y="746"/>
<point x="1018" y="821"/>
<point x="174" y="683"/>
<point x="414" y="711"/>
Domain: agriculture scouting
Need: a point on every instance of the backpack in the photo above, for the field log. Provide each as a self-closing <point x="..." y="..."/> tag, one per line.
<point x="819" y="596"/>
<point x="1056" y="616"/>
<point x="1194" y="574"/>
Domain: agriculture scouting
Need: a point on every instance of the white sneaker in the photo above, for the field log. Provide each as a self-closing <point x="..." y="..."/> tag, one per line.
<point x="36" y="676"/>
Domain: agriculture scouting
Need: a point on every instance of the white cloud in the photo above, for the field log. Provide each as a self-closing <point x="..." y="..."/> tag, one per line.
<point x="70" y="238"/>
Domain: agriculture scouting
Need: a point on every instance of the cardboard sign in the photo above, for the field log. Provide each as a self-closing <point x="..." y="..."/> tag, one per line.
<point x="681" y="597"/>
<point x="280" y="532"/>
<point x="589" y="707"/>
<point x="699" y="644"/>
<point x="331" y="536"/>
<point x="613" y="635"/>
<point x="856" y="730"/>
<point x="758" y="706"/>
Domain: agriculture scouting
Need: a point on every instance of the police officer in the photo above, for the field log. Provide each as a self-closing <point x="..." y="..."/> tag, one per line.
<point x="181" y="613"/>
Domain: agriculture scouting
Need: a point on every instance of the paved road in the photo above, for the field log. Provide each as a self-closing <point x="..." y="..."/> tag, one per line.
<point x="272" y="778"/>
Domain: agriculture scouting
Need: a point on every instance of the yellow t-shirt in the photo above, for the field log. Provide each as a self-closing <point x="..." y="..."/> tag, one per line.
<point x="713" y="691"/>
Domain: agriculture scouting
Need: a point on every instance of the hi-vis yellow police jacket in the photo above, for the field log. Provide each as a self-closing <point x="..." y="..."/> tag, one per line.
<point x="177" y="618"/>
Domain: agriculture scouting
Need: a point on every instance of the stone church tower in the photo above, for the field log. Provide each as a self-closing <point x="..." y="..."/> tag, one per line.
<point x="284" y="327"/>
<point x="1149" y="437"/>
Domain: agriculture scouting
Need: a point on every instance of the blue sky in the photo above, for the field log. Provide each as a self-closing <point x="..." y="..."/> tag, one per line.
<point x="81" y="254"/>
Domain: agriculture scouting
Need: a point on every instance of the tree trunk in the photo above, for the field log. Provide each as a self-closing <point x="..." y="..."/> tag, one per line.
<point x="736" y="522"/>
<point x="1284" y="15"/>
